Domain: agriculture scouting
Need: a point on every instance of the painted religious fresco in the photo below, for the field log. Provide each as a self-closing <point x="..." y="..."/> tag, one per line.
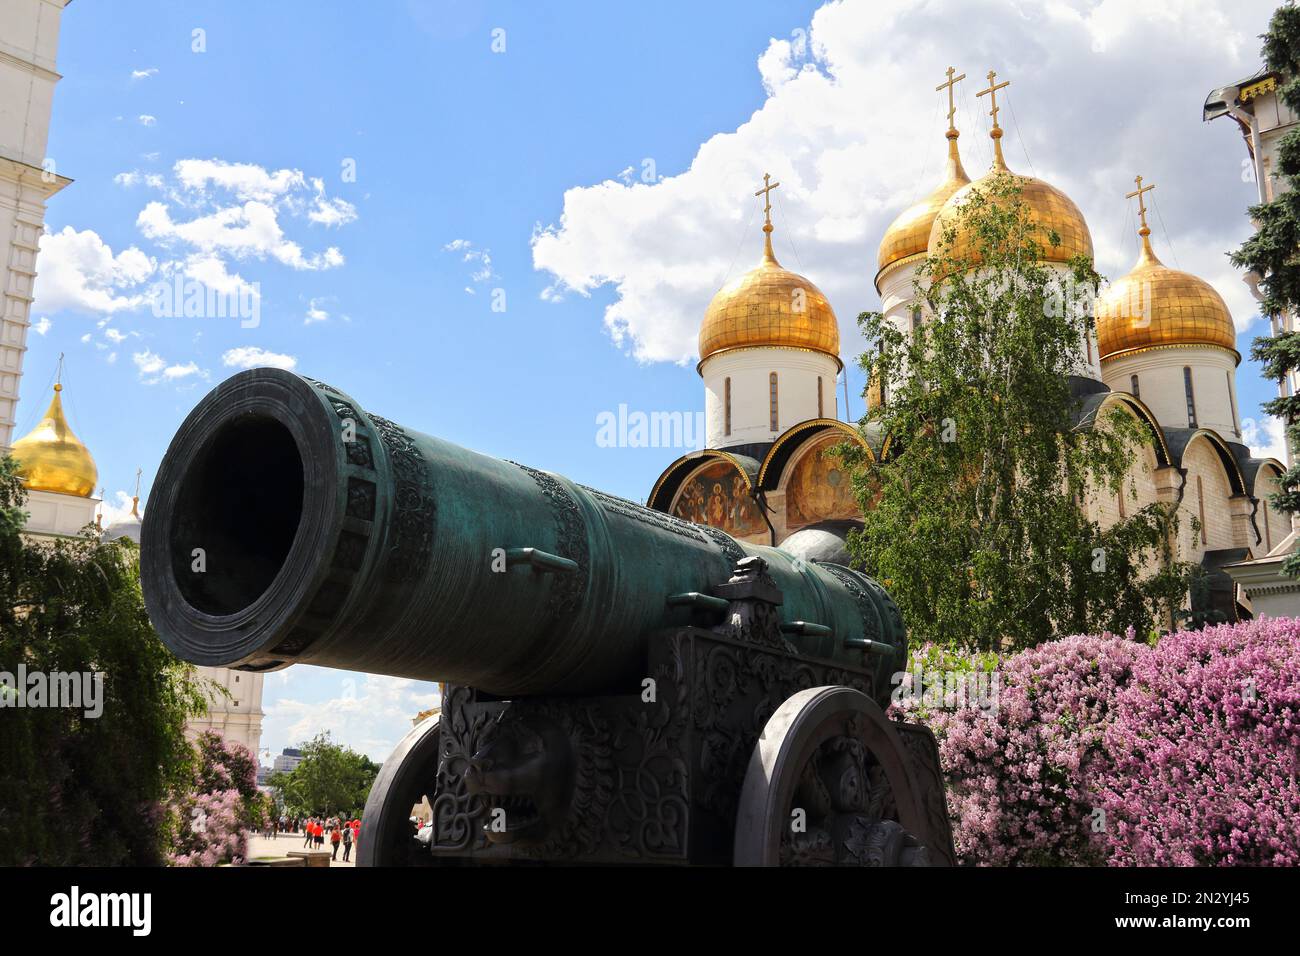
<point x="715" y="495"/>
<point x="819" y="488"/>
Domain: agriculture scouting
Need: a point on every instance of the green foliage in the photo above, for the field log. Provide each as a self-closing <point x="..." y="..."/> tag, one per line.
<point x="78" y="790"/>
<point x="973" y="518"/>
<point x="331" y="779"/>
<point x="1273" y="253"/>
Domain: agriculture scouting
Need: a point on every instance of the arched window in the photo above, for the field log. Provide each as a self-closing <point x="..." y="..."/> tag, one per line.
<point x="771" y="392"/>
<point x="726" y="406"/>
<point x="1135" y="386"/>
<point x="819" y="398"/>
<point x="1191" y="399"/>
<point x="1200" y="500"/>
<point x="1232" y="404"/>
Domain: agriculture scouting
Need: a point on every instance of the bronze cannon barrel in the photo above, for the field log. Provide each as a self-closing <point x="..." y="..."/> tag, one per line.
<point x="288" y="524"/>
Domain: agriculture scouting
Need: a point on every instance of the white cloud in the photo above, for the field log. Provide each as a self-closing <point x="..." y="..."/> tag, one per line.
<point x="145" y="73"/>
<point x="243" y="231"/>
<point x="1266" y="439"/>
<point x="115" y="508"/>
<point x="852" y="128"/>
<point x="79" y="271"/>
<point x="41" y="325"/>
<point x="154" y="369"/>
<point x="472" y="254"/>
<point x="250" y="356"/>
<point x="147" y="120"/>
<point x="368" y="712"/>
<point x="315" y="313"/>
<point x="243" y="180"/>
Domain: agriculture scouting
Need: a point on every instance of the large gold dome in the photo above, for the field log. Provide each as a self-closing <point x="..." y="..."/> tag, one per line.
<point x="52" y="458"/>
<point x="909" y="233"/>
<point x="1154" y="305"/>
<point x="1049" y="209"/>
<point x="769" y="306"/>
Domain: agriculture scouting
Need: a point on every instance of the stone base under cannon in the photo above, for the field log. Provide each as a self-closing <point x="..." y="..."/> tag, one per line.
<point x="662" y="777"/>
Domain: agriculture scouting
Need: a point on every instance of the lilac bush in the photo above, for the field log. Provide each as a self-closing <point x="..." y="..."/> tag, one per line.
<point x="1203" y="746"/>
<point x="214" y="817"/>
<point x="1105" y="750"/>
<point x="1017" y="776"/>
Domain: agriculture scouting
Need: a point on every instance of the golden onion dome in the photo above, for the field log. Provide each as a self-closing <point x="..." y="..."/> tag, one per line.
<point x="1047" y="207"/>
<point x="1155" y="305"/>
<point x="909" y="234"/>
<point x="769" y="306"/>
<point x="52" y="458"/>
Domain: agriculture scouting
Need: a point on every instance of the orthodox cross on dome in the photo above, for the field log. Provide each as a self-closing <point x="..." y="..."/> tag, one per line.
<point x="952" y="107"/>
<point x="135" y="502"/>
<point x="1142" y="206"/>
<point x="765" y="192"/>
<point x="996" y="132"/>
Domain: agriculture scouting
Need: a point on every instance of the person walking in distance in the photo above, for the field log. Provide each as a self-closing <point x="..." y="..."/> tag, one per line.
<point x="347" y="842"/>
<point x="308" y="832"/>
<point x="336" y="837"/>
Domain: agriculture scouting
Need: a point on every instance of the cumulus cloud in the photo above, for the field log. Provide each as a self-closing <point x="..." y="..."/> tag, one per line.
<point x="212" y="215"/>
<point x="251" y="356"/>
<point x="1266" y="438"/>
<point x="154" y="369"/>
<point x="147" y="120"/>
<point x="41" y="325"/>
<point x="853" y="129"/>
<point x="80" y="272"/>
<point x="315" y="313"/>
<point x="367" y="712"/>
<point x="145" y="73"/>
<point x="116" y="507"/>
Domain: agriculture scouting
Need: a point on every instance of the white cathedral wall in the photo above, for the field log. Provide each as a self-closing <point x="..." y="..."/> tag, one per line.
<point x="238" y="719"/>
<point x="1139" y="490"/>
<point x="1273" y="526"/>
<point x="798" y="372"/>
<point x="1207" y="493"/>
<point x="55" y="514"/>
<point x="1162" y="387"/>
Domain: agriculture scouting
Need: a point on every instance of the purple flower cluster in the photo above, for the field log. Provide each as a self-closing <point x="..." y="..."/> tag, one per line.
<point x="1203" y="746"/>
<point x="216" y="831"/>
<point x="1104" y="750"/>
<point x="214" y="819"/>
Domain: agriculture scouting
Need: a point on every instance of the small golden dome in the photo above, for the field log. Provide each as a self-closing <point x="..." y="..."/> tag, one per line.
<point x="769" y="306"/>
<point x="1048" y="208"/>
<point x="1154" y="305"/>
<point x="52" y="458"/>
<point x="909" y="234"/>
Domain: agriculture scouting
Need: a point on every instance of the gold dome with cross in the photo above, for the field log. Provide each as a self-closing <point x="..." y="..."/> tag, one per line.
<point x="1154" y="305"/>
<point x="1051" y="210"/>
<point x="769" y="306"/>
<point x="51" y="458"/>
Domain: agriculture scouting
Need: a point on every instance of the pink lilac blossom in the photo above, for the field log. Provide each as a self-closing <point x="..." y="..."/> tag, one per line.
<point x="1105" y="750"/>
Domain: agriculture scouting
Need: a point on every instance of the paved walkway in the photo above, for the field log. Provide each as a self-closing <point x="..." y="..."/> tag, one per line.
<point x="259" y="845"/>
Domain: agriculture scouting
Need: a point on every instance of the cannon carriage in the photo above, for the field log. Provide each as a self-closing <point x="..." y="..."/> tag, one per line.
<point x="620" y="686"/>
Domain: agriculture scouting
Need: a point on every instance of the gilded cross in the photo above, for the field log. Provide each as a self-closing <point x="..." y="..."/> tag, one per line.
<point x="1142" y="206"/>
<point x="765" y="192"/>
<point x="952" y="81"/>
<point x="992" y="92"/>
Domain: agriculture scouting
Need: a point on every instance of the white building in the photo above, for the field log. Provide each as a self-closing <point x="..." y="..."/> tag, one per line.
<point x="1263" y="119"/>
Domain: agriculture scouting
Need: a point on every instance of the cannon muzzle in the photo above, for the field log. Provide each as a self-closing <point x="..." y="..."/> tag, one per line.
<point x="287" y="524"/>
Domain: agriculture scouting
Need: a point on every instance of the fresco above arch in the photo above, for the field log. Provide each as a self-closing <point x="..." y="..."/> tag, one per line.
<point x="819" y="488"/>
<point x="716" y="496"/>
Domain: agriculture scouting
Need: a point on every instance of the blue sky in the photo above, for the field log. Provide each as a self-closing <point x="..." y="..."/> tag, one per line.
<point x="524" y="170"/>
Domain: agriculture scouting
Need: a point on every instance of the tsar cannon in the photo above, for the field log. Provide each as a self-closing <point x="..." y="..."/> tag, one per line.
<point x="620" y="686"/>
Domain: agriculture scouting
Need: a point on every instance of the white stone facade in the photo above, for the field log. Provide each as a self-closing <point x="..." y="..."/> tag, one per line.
<point x="804" y="389"/>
